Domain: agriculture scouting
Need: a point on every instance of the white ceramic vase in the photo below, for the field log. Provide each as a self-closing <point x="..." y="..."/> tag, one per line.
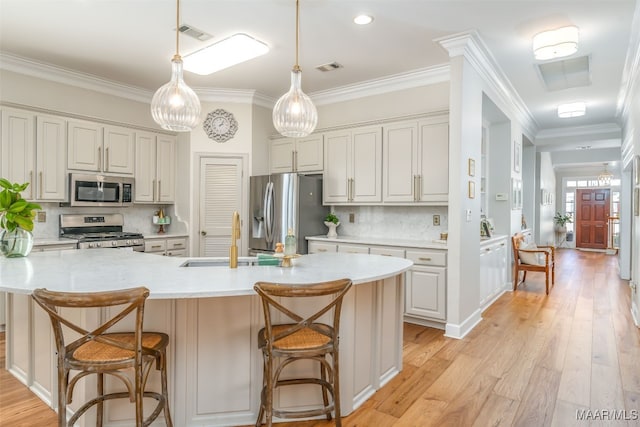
<point x="332" y="234"/>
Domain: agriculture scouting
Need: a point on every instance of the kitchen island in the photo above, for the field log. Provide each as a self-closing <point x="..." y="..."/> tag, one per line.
<point x="212" y="316"/>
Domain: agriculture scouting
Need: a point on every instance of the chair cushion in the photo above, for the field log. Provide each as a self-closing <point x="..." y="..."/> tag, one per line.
<point x="531" y="258"/>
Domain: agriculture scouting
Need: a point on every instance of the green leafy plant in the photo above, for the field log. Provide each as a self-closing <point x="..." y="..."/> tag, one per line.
<point x="561" y="219"/>
<point x="14" y="210"/>
<point x="332" y="218"/>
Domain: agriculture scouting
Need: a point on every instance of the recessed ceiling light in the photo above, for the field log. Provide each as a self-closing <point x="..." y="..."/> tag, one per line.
<point x="574" y="109"/>
<point x="555" y="43"/>
<point x="224" y="54"/>
<point x="363" y="19"/>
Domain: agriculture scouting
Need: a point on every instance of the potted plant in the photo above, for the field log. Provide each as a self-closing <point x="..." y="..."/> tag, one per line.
<point x="561" y="220"/>
<point x="332" y="221"/>
<point x="16" y="220"/>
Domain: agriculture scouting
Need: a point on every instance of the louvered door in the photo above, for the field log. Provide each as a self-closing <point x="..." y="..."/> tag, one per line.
<point x="220" y="196"/>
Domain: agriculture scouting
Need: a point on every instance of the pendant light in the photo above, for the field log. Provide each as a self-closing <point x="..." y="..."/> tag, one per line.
<point x="294" y="115"/>
<point x="175" y="106"/>
<point x="604" y="179"/>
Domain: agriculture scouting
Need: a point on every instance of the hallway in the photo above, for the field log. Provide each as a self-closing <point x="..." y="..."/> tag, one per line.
<point x="533" y="361"/>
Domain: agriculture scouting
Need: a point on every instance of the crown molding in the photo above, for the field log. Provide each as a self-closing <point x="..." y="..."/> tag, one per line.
<point x="393" y="83"/>
<point x="631" y="72"/>
<point x="470" y="45"/>
<point x="612" y="129"/>
<point x="69" y="77"/>
<point x="240" y="96"/>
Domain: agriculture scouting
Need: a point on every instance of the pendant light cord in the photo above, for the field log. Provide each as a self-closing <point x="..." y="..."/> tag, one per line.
<point x="297" y="67"/>
<point x="177" y="55"/>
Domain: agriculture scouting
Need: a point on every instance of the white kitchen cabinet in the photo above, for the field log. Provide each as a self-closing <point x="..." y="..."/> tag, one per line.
<point x="353" y="248"/>
<point x="170" y="246"/>
<point x="100" y="148"/>
<point x="493" y="270"/>
<point x="155" y="168"/>
<point x="353" y="167"/>
<point x="297" y="154"/>
<point x="33" y="151"/>
<point x="416" y="161"/>
<point x="316" y="247"/>
<point x="425" y="292"/>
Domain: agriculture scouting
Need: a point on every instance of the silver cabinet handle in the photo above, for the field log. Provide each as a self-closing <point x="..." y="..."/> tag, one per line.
<point x="322" y="250"/>
<point x="203" y="233"/>
<point x="106" y="155"/>
<point x="31" y="186"/>
<point x="177" y="245"/>
<point x="159" y="190"/>
<point x="419" y="192"/>
<point x="293" y="161"/>
<point x="153" y="190"/>
<point x="352" y="188"/>
<point x="156" y="246"/>
<point x="424" y="259"/>
<point x="99" y="158"/>
<point x="40" y="184"/>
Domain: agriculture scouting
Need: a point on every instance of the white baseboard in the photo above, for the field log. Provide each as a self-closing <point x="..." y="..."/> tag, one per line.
<point x="460" y="330"/>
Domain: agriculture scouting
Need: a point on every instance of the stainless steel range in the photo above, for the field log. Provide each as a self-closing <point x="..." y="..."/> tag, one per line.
<point x="99" y="231"/>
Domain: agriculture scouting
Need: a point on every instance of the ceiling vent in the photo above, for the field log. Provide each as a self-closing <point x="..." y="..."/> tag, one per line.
<point x="565" y="74"/>
<point x="194" y="32"/>
<point x="329" y="67"/>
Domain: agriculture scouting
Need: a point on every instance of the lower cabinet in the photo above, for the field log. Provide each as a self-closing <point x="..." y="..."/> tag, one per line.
<point x="171" y="246"/>
<point x="493" y="270"/>
<point x="425" y="284"/>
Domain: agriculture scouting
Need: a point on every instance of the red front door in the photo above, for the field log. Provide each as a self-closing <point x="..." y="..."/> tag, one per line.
<point x="592" y="216"/>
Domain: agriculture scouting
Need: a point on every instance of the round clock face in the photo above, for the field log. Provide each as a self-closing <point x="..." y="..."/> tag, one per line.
<point x="220" y="125"/>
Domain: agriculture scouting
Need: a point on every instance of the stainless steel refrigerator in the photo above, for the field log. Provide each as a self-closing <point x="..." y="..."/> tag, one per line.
<point x="282" y="201"/>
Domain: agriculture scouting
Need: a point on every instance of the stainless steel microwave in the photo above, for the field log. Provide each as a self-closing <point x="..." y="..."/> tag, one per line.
<point x="100" y="190"/>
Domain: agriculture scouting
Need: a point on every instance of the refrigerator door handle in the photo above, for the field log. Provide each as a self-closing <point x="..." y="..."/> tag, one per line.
<point x="268" y="212"/>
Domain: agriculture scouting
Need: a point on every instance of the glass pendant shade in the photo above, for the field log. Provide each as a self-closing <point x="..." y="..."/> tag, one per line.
<point x="175" y="106"/>
<point x="294" y="115"/>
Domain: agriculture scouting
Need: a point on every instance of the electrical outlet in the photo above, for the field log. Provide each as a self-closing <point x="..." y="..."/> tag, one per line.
<point x="352" y="217"/>
<point x="436" y="220"/>
<point x="41" y="216"/>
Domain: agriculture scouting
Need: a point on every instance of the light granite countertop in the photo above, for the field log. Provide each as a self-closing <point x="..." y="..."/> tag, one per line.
<point x="109" y="269"/>
<point x="383" y="241"/>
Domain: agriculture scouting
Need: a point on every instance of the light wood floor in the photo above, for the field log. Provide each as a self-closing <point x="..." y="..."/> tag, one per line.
<point x="533" y="361"/>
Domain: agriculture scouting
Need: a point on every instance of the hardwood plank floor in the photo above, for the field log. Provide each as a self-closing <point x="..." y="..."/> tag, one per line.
<point x="532" y="361"/>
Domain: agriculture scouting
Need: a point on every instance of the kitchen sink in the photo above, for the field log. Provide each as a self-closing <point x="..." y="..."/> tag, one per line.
<point x="219" y="262"/>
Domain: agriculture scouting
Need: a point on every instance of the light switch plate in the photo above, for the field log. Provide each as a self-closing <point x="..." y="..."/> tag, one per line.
<point x="501" y="196"/>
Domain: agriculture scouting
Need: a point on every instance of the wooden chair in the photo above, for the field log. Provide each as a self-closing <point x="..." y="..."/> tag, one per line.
<point x="547" y="266"/>
<point x="304" y="338"/>
<point x="101" y="352"/>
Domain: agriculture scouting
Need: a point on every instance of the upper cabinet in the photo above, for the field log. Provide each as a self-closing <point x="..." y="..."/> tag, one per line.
<point x="33" y="151"/>
<point x="416" y="161"/>
<point x="353" y="168"/>
<point x="297" y="154"/>
<point x="100" y="148"/>
<point x="155" y="168"/>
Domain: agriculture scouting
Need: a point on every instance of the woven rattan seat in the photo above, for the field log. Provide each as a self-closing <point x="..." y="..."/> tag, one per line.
<point x="82" y="352"/>
<point x="301" y="337"/>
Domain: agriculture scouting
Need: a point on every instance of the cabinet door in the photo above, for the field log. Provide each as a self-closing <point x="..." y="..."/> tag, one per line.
<point x="18" y="148"/>
<point x="51" y="152"/>
<point x="486" y="261"/>
<point x="145" y="184"/>
<point x="434" y="161"/>
<point x="281" y="160"/>
<point x="84" y="150"/>
<point x="335" y="184"/>
<point x="166" y="168"/>
<point x="399" y="169"/>
<point x="425" y="292"/>
<point x="309" y="154"/>
<point x="367" y="165"/>
<point x="119" y="150"/>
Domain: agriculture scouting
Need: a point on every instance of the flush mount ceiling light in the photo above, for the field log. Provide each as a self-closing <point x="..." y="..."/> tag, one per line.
<point x="363" y="19"/>
<point x="294" y="115"/>
<point x="224" y="54"/>
<point x="575" y="109"/>
<point x="605" y="177"/>
<point x="555" y="43"/>
<point x="175" y="106"/>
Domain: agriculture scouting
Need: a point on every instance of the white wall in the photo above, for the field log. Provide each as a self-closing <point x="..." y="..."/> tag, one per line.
<point x="546" y="180"/>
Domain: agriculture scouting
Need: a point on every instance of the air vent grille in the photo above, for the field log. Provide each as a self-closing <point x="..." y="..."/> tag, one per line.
<point x="194" y="32"/>
<point x="329" y="67"/>
<point x="559" y="75"/>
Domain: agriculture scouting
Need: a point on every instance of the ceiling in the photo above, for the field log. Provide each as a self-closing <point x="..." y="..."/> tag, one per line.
<point x="132" y="41"/>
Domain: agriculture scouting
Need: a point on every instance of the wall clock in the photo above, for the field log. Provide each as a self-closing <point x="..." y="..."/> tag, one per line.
<point x="220" y="125"/>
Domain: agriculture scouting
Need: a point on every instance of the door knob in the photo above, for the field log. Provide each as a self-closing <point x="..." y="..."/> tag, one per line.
<point x="203" y="233"/>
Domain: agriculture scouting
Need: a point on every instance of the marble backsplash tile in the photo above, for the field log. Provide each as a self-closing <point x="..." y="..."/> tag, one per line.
<point x="402" y="222"/>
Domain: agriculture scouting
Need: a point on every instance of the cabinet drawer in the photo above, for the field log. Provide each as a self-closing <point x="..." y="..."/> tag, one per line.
<point x="180" y="243"/>
<point x="353" y="249"/>
<point x="155" y="245"/>
<point x="177" y="252"/>
<point x="321" y="247"/>
<point x="386" y="251"/>
<point x="422" y="257"/>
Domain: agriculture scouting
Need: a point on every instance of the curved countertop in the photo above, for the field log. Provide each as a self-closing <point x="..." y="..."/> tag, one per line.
<point x="383" y="241"/>
<point x="108" y="269"/>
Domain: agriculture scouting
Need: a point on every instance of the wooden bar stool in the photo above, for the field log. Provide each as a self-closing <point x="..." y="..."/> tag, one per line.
<point x="302" y="337"/>
<point x="102" y="352"/>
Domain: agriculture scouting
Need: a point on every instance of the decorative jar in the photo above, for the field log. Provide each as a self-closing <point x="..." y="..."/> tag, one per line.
<point x="16" y="243"/>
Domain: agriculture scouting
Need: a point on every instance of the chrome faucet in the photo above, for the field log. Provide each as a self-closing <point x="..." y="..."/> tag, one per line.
<point x="235" y="235"/>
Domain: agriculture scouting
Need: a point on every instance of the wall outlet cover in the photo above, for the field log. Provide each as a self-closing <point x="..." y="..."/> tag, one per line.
<point x="436" y="220"/>
<point x="352" y="217"/>
<point x="41" y="216"/>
